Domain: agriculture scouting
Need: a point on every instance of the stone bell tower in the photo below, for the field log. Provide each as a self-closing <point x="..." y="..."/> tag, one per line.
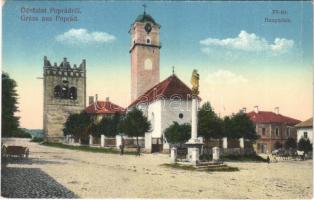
<point x="145" y="46"/>
<point x="64" y="94"/>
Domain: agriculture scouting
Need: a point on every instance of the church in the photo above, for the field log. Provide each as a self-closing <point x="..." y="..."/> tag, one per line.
<point x="162" y="102"/>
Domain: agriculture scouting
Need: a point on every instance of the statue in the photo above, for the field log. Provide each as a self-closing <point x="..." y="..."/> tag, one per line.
<point x="195" y="82"/>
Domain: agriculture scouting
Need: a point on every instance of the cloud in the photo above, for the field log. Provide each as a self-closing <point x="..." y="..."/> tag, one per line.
<point x="225" y="77"/>
<point x="83" y="36"/>
<point x="250" y="42"/>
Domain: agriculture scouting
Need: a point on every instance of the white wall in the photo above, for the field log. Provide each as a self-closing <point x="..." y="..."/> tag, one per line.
<point x="300" y="133"/>
<point x="154" y="116"/>
<point x="170" y="110"/>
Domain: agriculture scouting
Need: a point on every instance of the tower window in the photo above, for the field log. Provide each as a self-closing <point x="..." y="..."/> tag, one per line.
<point x="57" y="91"/>
<point x="148" y="65"/>
<point x="73" y="93"/>
<point x="148" y="41"/>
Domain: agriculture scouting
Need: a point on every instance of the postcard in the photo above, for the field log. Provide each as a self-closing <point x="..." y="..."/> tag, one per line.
<point x="157" y="99"/>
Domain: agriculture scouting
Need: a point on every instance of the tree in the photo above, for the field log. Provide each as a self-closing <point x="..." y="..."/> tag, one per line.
<point x="240" y="125"/>
<point x="305" y="145"/>
<point x="10" y="123"/>
<point x="178" y="134"/>
<point x="290" y="143"/>
<point x="79" y="125"/>
<point x="135" y="124"/>
<point x="107" y="126"/>
<point x="209" y="124"/>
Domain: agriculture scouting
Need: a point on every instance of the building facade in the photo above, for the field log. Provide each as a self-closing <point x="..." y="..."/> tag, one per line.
<point x="305" y="130"/>
<point x="64" y="93"/>
<point x="167" y="102"/>
<point x="273" y="128"/>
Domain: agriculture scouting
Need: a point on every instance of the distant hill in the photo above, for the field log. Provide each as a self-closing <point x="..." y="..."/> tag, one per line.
<point x="39" y="133"/>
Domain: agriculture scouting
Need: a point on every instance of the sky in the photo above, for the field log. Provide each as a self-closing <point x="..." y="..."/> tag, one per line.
<point x="243" y="61"/>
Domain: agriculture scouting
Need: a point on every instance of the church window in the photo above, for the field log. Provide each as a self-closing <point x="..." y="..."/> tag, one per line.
<point x="148" y="65"/>
<point x="181" y="116"/>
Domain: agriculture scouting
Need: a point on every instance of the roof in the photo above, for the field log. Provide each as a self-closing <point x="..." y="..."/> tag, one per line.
<point x="271" y="117"/>
<point x="306" y="123"/>
<point x="172" y="87"/>
<point x="146" y="18"/>
<point x="104" y="107"/>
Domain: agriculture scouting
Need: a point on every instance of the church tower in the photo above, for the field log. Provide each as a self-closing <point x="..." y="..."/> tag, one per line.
<point x="64" y="94"/>
<point x="145" y="46"/>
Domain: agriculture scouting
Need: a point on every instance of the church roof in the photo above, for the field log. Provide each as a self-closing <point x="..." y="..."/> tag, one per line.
<point x="146" y="18"/>
<point x="103" y="107"/>
<point x="172" y="87"/>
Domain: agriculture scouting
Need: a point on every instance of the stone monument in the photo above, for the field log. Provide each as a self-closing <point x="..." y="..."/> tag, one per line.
<point x="194" y="144"/>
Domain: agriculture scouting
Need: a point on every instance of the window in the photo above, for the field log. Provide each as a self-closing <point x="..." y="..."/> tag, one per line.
<point x="148" y="41"/>
<point x="73" y="93"/>
<point x="152" y="121"/>
<point x="277" y="132"/>
<point x="263" y="131"/>
<point x="288" y="132"/>
<point x="181" y="116"/>
<point x="57" y="91"/>
<point x="148" y="65"/>
<point x="305" y="135"/>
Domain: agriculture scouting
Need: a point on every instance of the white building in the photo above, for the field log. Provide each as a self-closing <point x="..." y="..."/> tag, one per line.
<point x="305" y="129"/>
<point x="167" y="102"/>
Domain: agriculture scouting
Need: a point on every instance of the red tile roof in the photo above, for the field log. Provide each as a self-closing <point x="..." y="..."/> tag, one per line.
<point x="271" y="117"/>
<point x="172" y="87"/>
<point x="104" y="107"/>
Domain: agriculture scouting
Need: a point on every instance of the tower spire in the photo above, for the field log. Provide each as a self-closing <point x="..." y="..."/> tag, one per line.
<point x="173" y="70"/>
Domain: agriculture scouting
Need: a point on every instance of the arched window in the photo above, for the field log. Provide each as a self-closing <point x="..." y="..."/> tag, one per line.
<point x="148" y="40"/>
<point x="73" y="93"/>
<point x="64" y="92"/>
<point x="57" y="91"/>
<point x="148" y="65"/>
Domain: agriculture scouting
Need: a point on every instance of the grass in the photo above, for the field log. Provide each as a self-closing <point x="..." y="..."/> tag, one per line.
<point x="244" y="158"/>
<point x="223" y="168"/>
<point x="87" y="148"/>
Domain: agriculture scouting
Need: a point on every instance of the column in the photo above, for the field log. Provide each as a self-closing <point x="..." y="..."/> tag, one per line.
<point x="241" y="141"/>
<point x="173" y="155"/>
<point x="194" y="120"/>
<point x="90" y="140"/>
<point x="102" y="140"/>
<point x="225" y="143"/>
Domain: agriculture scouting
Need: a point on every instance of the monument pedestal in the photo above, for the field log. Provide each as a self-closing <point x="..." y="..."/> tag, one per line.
<point x="194" y="151"/>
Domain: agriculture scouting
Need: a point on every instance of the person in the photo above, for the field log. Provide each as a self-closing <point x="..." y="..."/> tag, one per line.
<point x="121" y="148"/>
<point x="268" y="159"/>
<point x="138" y="150"/>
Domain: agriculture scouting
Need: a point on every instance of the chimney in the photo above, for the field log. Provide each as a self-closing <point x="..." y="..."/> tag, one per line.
<point x="96" y="98"/>
<point x="107" y="98"/>
<point x="91" y="100"/>
<point x="256" y="109"/>
<point x="277" y="110"/>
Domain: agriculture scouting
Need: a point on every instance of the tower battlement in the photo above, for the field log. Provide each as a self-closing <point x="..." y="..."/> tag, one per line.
<point x="64" y="68"/>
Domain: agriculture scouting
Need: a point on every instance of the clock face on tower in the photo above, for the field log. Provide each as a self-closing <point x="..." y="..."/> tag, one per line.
<point x="148" y="28"/>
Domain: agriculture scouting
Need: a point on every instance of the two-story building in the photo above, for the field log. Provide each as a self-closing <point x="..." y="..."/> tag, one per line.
<point x="273" y="129"/>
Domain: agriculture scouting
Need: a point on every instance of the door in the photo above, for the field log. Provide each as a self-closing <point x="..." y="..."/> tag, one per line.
<point x="157" y="145"/>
